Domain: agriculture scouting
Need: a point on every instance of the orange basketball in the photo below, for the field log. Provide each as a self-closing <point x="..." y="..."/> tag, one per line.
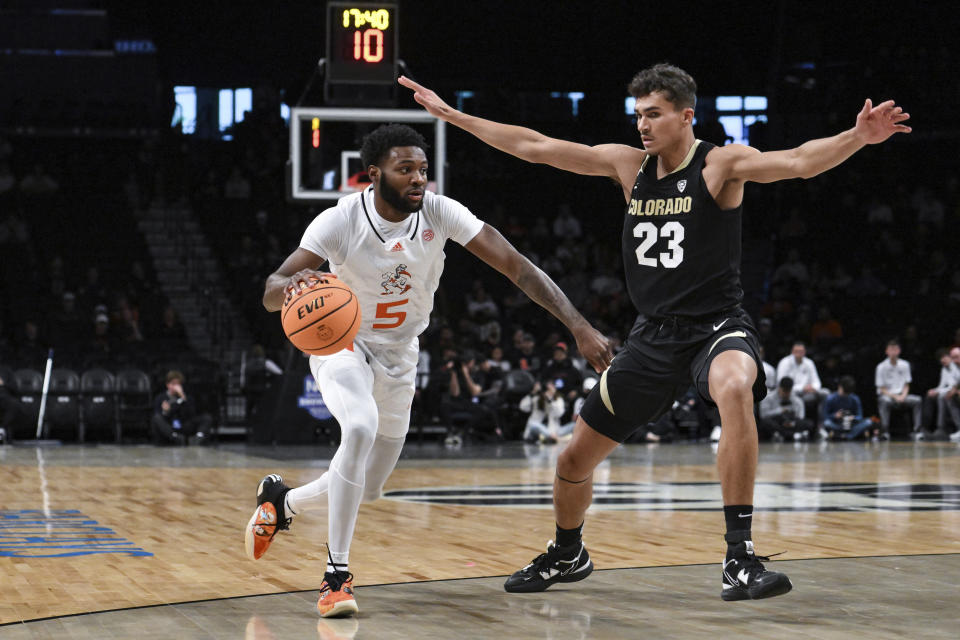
<point x="323" y="319"/>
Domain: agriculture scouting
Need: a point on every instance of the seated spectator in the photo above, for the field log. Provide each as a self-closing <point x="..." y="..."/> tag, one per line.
<point x="66" y="325"/>
<point x="527" y="358"/>
<point x="463" y="408"/>
<point x="31" y="348"/>
<point x="545" y="407"/>
<point x="175" y="417"/>
<point x="843" y="412"/>
<point x="782" y="414"/>
<point x="560" y="370"/>
<point x="942" y="399"/>
<point x="806" y="380"/>
<point x="893" y="380"/>
<point x="496" y="359"/>
<point x="565" y="225"/>
<point x="793" y="272"/>
<point x="577" y="404"/>
<point x="769" y="371"/>
<point x="480" y="306"/>
<point x="171" y="335"/>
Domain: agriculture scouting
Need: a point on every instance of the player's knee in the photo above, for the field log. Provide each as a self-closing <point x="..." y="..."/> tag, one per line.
<point x="572" y="465"/>
<point x="371" y="494"/>
<point x="732" y="388"/>
<point x="357" y="441"/>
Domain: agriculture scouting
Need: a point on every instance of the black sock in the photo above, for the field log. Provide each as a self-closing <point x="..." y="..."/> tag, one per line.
<point x="739" y="517"/>
<point x="569" y="537"/>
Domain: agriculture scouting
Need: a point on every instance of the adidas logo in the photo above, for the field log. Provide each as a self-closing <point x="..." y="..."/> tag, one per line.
<point x="397" y="247"/>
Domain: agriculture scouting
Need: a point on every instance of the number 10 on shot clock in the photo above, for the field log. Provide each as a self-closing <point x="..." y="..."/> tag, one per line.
<point x="361" y="43"/>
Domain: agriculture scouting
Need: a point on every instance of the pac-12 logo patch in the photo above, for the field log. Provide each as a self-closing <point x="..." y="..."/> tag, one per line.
<point x="681" y="185"/>
<point x="427" y="235"/>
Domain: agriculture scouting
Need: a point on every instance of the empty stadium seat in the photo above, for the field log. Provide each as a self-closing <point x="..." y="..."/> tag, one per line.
<point x="98" y="402"/>
<point x="63" y="403"/>
<point x="134" y="398"/>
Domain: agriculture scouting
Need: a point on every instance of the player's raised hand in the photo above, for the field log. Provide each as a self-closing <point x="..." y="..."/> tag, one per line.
<point x="595" y="347"/>
<point x="428" y="99"/>
<point x="876" y="124"/>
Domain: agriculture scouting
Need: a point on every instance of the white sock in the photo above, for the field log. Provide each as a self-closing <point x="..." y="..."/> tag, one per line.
<point x="310" y="496"/>
<point x="344" y="500"/>
<point x="340" y="559"/>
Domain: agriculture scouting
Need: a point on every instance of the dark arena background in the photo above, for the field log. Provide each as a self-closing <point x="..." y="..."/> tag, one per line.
<point x="159" y="160"/>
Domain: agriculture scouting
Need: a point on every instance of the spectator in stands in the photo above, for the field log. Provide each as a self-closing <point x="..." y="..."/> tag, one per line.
<point x="804" y="377"/>
<point x="793" y="272"/>
<point x="782" y="414"/>
<point x="100" y="350"/>
<point x="480" y="306"/>
<point x="527" y="358"/>
<point x="38" y="182"/>
<point x="879" y="212"/>
<point x="92" y="293"/>
<point x="942" y="399"/>
<point x="463" y="409"/>
<point x="843" y="411"/>
<point x="893" y="380"/>
<point x="561" y="371"/>
<point x="565" y="225"/>
<point x="826" y="330"/>
<point x="768" y="371"/>
<point x="577" y="404"/>
<point x="545" y="406"/>
<point x="31" y="349"/>
<point x="175" y="418"/>
<point x="67" y="326"/>
<point x="840" y="282"/>
<point x="926" y="206"/>
<point x="955" y="357"/>
<point x="171" y="336"/>
<point x="497" y="360"/>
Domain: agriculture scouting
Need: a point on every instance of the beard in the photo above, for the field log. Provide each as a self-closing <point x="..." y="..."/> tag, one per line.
<point x="395" y="200"/>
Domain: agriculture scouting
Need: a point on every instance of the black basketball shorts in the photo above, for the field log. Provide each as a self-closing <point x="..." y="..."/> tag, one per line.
<point x="658" y="364"/>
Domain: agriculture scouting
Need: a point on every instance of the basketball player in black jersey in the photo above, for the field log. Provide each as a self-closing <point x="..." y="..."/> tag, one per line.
<point x="681" y="254"/>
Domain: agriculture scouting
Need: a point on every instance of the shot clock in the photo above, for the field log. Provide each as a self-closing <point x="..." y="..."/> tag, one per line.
<point x="361" y="43"/>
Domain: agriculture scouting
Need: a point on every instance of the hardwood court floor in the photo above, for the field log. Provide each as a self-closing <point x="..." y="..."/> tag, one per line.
<point x="158" y="526"/>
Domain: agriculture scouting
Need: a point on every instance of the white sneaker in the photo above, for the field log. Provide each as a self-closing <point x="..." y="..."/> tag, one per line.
<point x="955" y="436"/>
<point x="715" y="434"/>
<point x="823" y="434"/>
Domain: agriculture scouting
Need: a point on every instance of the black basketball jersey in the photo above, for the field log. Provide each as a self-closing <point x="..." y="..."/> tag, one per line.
<point x="681" y="252"/>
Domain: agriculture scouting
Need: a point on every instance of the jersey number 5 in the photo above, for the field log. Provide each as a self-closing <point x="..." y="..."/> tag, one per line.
<point x="648" y="234"/>
<point x="384" y="313"/>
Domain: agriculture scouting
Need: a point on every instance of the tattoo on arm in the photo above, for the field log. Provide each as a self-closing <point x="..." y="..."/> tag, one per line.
<point x="540" y="288"/>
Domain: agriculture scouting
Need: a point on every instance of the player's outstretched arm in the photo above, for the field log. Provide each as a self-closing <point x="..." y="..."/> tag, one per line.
<point x="610" y="160"/>
<point x="493" y="248"/>
<point x="296" y="273"/>
<point x="874" y="125"/>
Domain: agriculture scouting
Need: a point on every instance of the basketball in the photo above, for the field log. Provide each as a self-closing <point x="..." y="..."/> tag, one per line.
<point x="323" y="319"/>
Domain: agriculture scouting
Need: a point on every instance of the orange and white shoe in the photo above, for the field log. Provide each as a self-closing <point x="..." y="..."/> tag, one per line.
<point x="336" y="595"/>
<point x="268" y="518"/>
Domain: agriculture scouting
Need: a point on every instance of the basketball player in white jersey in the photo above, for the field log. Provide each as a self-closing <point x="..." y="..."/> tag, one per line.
<point x="387" y="244"/>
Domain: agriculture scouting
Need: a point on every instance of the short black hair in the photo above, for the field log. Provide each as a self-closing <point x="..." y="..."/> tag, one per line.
<point x="676" y="84"/>
<point x="893" y="342"/>
<point x="786" y="383"/>
<point x="378" y="142"/>
<point x="848" y="383"/>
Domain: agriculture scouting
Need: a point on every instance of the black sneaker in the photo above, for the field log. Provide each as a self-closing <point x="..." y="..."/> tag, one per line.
<point x="744" y="577"/>
<point x="556" y="565"/>
<point x="268" y="518"/>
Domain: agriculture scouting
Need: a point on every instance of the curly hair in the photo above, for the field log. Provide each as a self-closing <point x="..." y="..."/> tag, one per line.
<point x="378" y="142"/>
<point x="676" y="84"/>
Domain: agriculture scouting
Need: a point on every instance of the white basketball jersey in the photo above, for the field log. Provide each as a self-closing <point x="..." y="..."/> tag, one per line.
<point x="393" y="267"/>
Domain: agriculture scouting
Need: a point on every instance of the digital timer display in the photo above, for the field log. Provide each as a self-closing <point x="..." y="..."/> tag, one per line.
<point x="361" y="43"/>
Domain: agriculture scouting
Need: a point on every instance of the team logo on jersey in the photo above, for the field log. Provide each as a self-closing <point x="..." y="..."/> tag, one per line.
<point x="395" y="282"/>
<point x="397" y="247"/>
<point x="681" y="185"/>
<point x="427" y="235"/>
